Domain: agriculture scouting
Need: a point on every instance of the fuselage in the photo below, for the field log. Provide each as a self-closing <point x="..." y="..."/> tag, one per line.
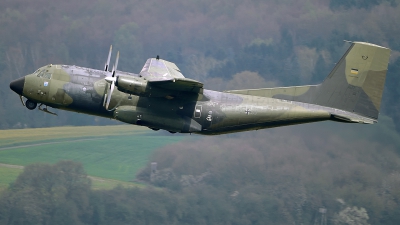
<point x="83" y="90"/>
<point x="160" y="97"/>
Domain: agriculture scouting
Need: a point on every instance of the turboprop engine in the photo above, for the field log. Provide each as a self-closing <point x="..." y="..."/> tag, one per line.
<point x="132" y="85"/>
<point x="137" y="86"/>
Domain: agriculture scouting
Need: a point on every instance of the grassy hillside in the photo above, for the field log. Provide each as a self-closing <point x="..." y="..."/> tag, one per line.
<point x="8" y="174"/>
<point x="112" y="152"/>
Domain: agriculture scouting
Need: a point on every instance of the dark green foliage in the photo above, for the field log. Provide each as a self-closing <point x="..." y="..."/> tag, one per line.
<point x="347" y="4"/>
<point x="47" y="194"/>
<point x="274" y="60"/>
<point x="284" y="176"/>
<point x="320" y="71"/>
<point x="211" y="39"/>
<point x="126" y="39"/>
<point x="278" y="176"/>
<point x="60" y="194"/>
<point x="392" y="91"/>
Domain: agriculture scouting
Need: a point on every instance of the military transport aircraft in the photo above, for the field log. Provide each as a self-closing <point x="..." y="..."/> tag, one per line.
<point x="160" y="97"/>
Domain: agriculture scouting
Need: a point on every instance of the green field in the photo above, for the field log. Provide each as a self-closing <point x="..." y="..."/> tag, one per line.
<point x="8" y="173"/>
<point x="114" y="154"/>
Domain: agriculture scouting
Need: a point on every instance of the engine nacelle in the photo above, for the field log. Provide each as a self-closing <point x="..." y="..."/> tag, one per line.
<point x="133" y="85"/>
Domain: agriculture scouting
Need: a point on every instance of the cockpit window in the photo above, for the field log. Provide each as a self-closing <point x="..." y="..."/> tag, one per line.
<point x="45" y="74"/>
<point x="37" y="71"/>
<point x="40" y="74"/>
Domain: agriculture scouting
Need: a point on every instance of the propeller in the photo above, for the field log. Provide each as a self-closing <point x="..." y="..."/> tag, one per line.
<point x="108" y="59"/>
<point x="112" y="81"/>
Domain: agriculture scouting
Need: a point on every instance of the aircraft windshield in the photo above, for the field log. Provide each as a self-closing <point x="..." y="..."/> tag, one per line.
<point x="37" y="72"/>
<point x="44" y="73"/>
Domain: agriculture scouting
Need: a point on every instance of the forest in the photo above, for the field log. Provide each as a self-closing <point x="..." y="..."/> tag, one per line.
<point x="225" y="44"/>
<point x="277" y="176"/>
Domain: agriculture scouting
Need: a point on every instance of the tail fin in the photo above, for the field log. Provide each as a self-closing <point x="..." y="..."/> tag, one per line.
<point x="356" y="83"/>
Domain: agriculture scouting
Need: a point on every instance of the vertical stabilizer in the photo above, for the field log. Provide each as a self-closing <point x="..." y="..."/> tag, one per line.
<point x="356" y="83"/>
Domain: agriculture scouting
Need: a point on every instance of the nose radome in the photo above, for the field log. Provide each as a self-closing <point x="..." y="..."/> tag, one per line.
<point x="18" y="85"/>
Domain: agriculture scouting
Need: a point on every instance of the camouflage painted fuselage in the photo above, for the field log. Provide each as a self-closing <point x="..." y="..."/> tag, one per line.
<point x="82" y="90"/>
<point x="351" y="93"/>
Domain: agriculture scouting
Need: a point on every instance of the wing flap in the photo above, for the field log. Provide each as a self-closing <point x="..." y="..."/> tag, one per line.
<point x="180" y="84"/>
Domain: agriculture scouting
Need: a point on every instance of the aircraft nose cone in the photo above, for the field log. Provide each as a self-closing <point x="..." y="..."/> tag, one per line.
<point x="18" y="85"/>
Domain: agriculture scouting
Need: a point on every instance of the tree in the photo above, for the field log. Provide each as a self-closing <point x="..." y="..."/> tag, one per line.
<point x="47" y="194"/>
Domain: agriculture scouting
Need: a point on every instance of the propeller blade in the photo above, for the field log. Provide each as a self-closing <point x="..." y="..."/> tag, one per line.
<point x="108" y="60"/>
<point x="109" y="94"/>
<point x="112" y="81"/>
<point x="116" y="64"/>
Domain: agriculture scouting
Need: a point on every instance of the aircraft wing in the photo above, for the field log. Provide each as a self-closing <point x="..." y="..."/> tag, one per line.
<point x="167" y="75"/>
